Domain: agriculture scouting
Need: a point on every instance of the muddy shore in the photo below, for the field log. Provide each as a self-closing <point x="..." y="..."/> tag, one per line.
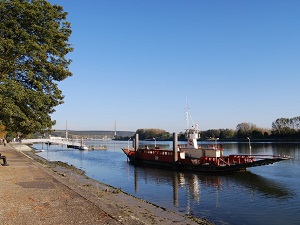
<point x="113" y="205"/>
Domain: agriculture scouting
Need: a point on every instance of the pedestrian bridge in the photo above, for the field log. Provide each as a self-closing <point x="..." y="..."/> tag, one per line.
<point x="50" y="140"/>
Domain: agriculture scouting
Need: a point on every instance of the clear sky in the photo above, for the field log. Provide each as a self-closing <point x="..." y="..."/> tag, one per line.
<point x="137" y="61"/>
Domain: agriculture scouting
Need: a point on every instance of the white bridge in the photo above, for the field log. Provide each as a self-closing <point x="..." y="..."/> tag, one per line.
<point x="52" y="141"/>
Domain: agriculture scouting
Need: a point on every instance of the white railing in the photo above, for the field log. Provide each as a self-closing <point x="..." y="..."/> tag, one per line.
<point x="48" y="140"/>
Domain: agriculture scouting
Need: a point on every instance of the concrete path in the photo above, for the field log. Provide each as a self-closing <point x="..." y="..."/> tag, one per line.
<point x="39" y="192"/>
<point x="28" y="195"/>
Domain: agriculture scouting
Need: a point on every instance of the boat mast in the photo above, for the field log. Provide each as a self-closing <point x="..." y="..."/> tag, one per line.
<point x="115" y="129"/>
<point x="67" y="129"/>
<point x="192" y="134"/>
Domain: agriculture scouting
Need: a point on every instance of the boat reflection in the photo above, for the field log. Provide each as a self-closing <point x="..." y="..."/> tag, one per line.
<point x="266" y="187"/>
<point x="193" y="183"/>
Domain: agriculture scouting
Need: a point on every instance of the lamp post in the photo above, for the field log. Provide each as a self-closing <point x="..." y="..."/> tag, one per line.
<point x="216" y="148"/>
<point x="128" y="143"/>
<point x="216" y="142"/>
<point x="154" y="142"/>
<point x="249" y="145"/>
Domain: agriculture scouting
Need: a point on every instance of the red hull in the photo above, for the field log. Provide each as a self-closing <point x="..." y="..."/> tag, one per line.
<point x="164" y="158"/>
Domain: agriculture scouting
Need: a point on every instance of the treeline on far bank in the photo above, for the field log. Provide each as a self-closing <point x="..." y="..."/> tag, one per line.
<point x="283" y="129"/>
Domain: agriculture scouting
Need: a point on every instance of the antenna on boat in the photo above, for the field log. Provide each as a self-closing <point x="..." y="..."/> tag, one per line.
<point x="187" y="114"/>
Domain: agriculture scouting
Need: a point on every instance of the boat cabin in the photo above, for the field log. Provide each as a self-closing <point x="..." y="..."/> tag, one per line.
<point x="200" y="152"/>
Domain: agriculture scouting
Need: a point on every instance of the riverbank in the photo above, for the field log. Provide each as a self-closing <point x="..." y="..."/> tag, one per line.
<point x="34" y="190"/>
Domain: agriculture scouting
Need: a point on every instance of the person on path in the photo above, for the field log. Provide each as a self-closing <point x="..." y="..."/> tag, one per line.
<point x="4" y="160"/>
<point x="4" y="142"/>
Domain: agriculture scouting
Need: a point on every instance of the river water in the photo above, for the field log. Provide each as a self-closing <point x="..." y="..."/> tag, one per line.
<point x="261" y="195"/>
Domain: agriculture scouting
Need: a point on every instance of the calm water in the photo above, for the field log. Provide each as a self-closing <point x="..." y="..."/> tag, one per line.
<point x="262" y="195"/>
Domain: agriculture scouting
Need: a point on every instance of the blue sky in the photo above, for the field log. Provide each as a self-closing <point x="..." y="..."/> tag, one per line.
<point x="136" y="61"/>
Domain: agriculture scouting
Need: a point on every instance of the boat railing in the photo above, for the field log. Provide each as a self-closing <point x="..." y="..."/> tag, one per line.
<point x="259" y="156"/>
<point x="185" y="146"/>
<point x="215" y="146"/>
<point x="222" y="160"/>
<point x="203" y="146"/>
<point x="156" y="151"/>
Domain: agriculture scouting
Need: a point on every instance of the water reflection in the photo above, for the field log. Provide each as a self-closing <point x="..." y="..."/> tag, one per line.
<point x="267" y="148"/>
<point x="267" y="187"/>
<point x="192" y="183"/>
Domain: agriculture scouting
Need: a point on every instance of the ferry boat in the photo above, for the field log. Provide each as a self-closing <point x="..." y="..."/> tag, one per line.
<point x="194" y="157"/>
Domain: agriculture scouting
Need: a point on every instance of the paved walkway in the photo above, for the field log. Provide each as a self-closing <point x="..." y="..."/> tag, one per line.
<point x="36" y="193"/>
<point x="29" y="195"/>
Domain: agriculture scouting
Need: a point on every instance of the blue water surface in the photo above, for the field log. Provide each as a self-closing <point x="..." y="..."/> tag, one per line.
<point x="261" y="195"/>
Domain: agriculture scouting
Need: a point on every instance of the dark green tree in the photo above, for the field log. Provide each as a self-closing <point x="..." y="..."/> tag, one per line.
<point x="34" y="43"/>
<point x="151" y="133"/>
<point x="226" y="133"/>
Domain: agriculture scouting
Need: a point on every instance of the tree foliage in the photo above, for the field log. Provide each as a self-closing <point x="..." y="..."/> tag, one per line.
<point x="158" y="134"/>
<point x="226" y="133"/>
<point x="2" y="131"/>
<point x="218" y="133"/>
<point x="286" y="126"/>
<point x="33" y="46"/>
<point x="244" y="129"/>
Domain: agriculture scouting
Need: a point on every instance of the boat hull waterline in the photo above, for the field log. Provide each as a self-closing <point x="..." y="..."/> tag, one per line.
<point x="165" y="158"/>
